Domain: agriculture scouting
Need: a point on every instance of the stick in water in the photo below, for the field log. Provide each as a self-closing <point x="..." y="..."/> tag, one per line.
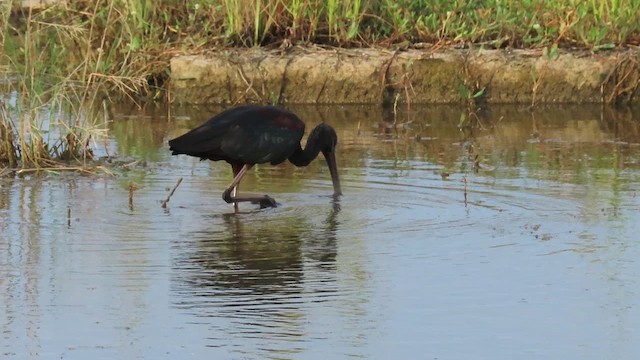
<point x="164" y="203"/>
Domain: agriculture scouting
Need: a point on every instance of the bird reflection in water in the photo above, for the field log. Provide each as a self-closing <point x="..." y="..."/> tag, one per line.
<point x="256" y="277"/>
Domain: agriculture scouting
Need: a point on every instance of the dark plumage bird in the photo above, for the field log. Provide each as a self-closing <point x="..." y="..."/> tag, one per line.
<point x="249" y="135"/>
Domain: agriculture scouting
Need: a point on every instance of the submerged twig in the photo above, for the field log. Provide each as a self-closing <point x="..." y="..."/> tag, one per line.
<point x="132" y="187"/>
<point x="166" y="201"/>
<point x="465" y="190"/>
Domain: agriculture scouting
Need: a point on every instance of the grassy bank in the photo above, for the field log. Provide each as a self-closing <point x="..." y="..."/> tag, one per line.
<point x="75" y="56"/>
<point x="118" y="44"/>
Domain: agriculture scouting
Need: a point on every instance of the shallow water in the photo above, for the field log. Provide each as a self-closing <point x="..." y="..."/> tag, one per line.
<point x="514" y="238"/>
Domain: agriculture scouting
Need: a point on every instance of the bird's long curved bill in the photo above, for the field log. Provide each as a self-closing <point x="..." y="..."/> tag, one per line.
<point x="333" y="169"/>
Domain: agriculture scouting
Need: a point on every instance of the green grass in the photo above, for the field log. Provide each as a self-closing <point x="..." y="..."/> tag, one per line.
<point x="70" y="56"/>
<point x="134" y="38"/>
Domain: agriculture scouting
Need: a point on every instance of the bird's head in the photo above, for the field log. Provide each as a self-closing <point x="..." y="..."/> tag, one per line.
<point x="325" y="137"/>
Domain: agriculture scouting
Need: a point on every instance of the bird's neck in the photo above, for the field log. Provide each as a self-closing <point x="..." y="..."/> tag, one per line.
<point x="302" y="157"/>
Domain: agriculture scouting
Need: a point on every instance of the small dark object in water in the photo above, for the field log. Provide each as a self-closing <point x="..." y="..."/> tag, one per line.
<point x="249" y="135"/>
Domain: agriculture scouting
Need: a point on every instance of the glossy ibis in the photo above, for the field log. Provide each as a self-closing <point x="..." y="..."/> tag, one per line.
<point x="249" y="135"/>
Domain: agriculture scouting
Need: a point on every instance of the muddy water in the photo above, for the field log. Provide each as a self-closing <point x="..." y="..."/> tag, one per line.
<point x="513" y="235"/>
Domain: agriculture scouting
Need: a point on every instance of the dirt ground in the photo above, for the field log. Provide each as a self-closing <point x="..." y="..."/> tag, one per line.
<point x="371" y="76"/>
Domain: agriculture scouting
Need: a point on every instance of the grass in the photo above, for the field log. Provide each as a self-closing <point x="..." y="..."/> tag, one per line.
<point x="73" y="56"/>
<point x="54" y="76"/>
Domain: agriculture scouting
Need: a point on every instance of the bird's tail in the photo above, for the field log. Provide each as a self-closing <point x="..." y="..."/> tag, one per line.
<point x="176" y="147"/>
<point x="193" y="144"/>
<point x="185" y="145"/>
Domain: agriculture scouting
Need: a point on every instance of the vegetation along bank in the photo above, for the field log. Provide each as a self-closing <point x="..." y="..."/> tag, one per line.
<point x="62" y="62"/>
<point x="327" y="51"/>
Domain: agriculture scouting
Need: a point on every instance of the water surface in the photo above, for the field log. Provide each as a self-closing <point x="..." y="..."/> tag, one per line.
<point x="510" y="235"/>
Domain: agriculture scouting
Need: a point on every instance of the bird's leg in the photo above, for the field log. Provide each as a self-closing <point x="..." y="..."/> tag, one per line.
<point x="234" y="192"/>
<point x="230" y="194"/>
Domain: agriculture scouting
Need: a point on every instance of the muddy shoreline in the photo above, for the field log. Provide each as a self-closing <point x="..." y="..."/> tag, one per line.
<point x="377" y="76"/>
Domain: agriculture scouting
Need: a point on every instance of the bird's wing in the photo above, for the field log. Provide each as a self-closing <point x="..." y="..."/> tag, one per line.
<point x="260" y="142"/>
<point x="250" y="134"/>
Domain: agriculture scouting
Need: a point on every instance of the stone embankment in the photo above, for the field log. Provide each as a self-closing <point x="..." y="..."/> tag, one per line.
<point x="418" y="76"/>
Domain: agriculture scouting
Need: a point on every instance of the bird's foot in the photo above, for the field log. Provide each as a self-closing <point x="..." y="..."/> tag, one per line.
<point x="226" y="196"/>
<point x="265" y="202"/>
